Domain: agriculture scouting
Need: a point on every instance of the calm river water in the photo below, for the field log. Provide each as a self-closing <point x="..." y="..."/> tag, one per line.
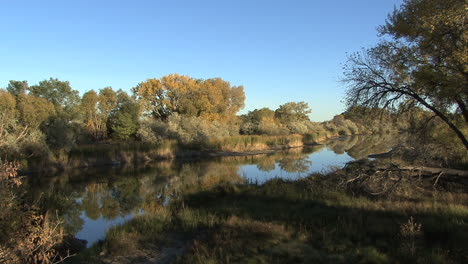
<point x="93" y="200"/>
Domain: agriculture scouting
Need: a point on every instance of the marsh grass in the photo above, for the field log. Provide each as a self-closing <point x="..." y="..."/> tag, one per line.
<point x="137" y="152"/>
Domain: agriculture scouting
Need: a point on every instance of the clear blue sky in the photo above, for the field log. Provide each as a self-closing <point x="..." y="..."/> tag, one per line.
<point x="280" y="51"/>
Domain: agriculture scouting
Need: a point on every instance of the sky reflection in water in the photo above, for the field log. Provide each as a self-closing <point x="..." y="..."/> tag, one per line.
<point x="102" y="199"/>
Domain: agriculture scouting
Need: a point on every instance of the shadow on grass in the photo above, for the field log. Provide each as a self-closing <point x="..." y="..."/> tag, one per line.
<point x="305" y="221"/>
<point x="281" y="226"/>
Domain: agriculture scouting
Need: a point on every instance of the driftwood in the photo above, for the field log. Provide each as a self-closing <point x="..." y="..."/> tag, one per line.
<point x="432" y="171"/>
<point x="421" y="170"/>
<point x="373" y="179"/>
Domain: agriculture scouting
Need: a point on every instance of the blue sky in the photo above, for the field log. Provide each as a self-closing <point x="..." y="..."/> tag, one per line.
<point x="280" y="51"/>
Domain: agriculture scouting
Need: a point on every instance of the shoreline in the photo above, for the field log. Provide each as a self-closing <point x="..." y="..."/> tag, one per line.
<point x="183" y="155"/>
<point x="102" y="155"/>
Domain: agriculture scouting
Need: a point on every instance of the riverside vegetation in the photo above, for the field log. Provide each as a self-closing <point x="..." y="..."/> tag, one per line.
<point x="43" y="132"/>
<point x="320" y="218"/>
<point x="191" y="208"/>
<point x="413" y="81"/>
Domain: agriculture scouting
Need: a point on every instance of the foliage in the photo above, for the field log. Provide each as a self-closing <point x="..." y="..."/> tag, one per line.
<point x="262" y="121"/>
<point x="289" y="118"/>
<point x="151" y="130"/>
<point x="290" y="112"/>
<point x="88" y="106"/>
<point x="424" y="65"/>
<point x="7" y="114"/>
<point x="107" y="103"/>
<point x="20" y="117"/>
<point x="123" y="125"/>
<point x="211" y="99"/>
<point x="191" y="129"/>
<point x="123" y="122"/>
<point x="59" y="134"/>
<point x="33" y="111"/>
<point x="17" y="87"/>
<point x="342" y="126"/>
<point x="60" y="94"/>
<point x="26" y="236"/>
<point x="96" y="110"/>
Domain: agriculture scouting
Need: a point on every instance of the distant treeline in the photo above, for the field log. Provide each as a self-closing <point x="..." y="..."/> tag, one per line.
<point x="51" y="118"/>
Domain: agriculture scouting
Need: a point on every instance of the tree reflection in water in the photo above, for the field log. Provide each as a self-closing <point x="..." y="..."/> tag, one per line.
<point x="105" y="194"/>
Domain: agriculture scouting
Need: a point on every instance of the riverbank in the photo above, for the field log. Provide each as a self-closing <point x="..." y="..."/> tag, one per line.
<point x="106" y="154"/>
<point x="317" y="219"/>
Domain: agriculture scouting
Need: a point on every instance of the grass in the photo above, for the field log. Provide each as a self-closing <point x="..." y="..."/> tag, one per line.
<point x="246" y="143"/>
<point x="136" y="152"/>
<point x="306" y="221"/>
<point x="132" y="152"/>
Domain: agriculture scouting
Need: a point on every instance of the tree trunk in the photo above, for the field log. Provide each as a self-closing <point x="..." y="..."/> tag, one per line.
<point x="441" y="115"/>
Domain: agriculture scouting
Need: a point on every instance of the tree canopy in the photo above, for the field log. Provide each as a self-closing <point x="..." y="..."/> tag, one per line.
<point x="123" y="121"/>
<point x="17" y="87"/>
<point x="425" y="63"/>
<point x="59" y="93"/>
<point x="174" y="93"/>
<point x="293" y="111"/>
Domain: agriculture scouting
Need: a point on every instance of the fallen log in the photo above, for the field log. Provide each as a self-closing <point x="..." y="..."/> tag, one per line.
<point x="428" y="170"/>
<point x="445" y="171"/>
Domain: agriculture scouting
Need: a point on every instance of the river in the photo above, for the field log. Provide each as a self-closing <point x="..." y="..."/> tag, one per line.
<point x="90" y="201"/>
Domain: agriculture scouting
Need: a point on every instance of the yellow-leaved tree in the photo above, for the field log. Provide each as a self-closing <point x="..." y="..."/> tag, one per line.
<point x="211" y="99"/>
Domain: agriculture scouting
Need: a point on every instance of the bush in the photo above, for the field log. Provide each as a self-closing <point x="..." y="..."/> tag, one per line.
<point x="352" y="128"/>
<point x="342" y="131"/>
<point x="298" y="127"/>
<point x="331" y="127"/>
<point x="188" y="129"/>
<point x="148" y="131"/>
<point x="272" y="129"/>
<point x="60" y="134"/>
<point x="26" y="236"/>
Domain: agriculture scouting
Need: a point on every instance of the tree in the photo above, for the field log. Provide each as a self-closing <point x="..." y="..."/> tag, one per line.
<point x="34" y="111"/>
<point x="220" y="99"/>
<point x="17" y="87"/>
<point x="212" y="99"/>
<point x="21" y="114"/>
<point x="60" y="134"/>
<point x="261" y="121"/>
<point x="424" y="64"/>
<point x="123" y="125"/>
<point x="107" y="101"/>
<point x="106" y="104"/>
<point x="292" y="111"/>
<point x="7" y="114"/>
<point x="123" y="121"/>
<point x="60" y="94"/>
<point x="89" y="103"/>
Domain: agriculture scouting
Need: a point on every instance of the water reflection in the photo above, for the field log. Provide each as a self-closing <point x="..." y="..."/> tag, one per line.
<point x="91" y="201"/>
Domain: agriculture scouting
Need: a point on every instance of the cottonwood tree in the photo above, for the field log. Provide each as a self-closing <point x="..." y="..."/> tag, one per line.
<point x="211" y="99"/>
<point x="422" y="62"/>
